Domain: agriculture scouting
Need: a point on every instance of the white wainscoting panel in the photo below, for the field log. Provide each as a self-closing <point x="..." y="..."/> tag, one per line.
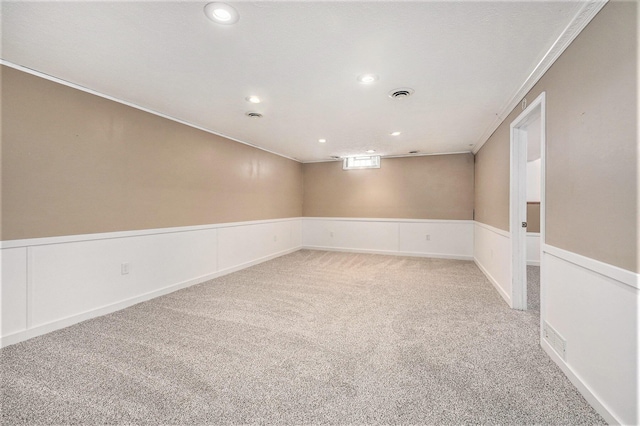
<point x="595" y="307"/>
<point x="240" y="246"/>
<point x="50" y="283"/>
<point x="447" y="238"/>
<point x="533" y="248"/>
<point x="379" y="236"/>
<point x="492" y="254"/>
<point x="13" y="293"/>
<point x="69" y="279"/>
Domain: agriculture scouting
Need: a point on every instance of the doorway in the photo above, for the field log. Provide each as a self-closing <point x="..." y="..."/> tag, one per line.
<point x="527" y="166"/>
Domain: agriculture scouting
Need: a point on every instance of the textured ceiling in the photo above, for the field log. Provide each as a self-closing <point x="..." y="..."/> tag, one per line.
<point x="465" y="61"/>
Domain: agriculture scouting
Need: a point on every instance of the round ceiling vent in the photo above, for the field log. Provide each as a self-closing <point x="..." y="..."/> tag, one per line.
<point x="401" y="93"/>
<point x="254" y="115"/>
<point x="334" y="157"/>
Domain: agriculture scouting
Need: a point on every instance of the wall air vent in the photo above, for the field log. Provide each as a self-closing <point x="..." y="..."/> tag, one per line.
<point x="401" y="93"/>
<point x="555" y="340"/>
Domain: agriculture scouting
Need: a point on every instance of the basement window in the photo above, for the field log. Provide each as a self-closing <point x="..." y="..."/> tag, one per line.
<point x="366" y="162"/>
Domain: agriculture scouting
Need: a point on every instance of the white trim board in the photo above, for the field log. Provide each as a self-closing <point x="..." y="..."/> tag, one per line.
<point x="383" y="219"/>
<point x="389" y="253"/>
<point x="498" y="231"/>
<point x="623" y="276"/>
<point x="135" y="233"/>
<point x="518" y="143"/>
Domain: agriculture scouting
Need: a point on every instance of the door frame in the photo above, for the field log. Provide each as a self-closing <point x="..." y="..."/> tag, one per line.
<point x="518" y="199"/>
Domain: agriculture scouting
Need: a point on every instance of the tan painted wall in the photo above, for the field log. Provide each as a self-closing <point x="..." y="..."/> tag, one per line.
<point x="492" y="180"/>
<point x="592" y="162"/>
<point x="75" y="163"/>
<point x="428" y="187"/>
<point x="533" y="217"/>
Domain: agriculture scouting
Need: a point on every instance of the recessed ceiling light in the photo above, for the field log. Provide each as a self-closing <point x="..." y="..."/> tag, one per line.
<point x="371" y="151"/>
<point x="253" y="99"/>
<point x="322" y="140"/>
<point x="221" y="13"/>
<point x="395" y="133"/>
<point x="367" y="78"/>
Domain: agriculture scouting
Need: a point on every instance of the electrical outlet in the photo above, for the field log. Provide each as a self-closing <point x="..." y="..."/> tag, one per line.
<point x="331" y="234"/>
<point x="428" y="237"/>
<point x="275" y="238"/>
<point x="125" y="268"/>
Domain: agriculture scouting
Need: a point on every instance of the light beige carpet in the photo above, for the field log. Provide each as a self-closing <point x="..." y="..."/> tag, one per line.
<point x="309" y="338"/>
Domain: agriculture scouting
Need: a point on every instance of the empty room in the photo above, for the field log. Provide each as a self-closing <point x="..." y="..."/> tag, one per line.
<point x="320" y="212"/>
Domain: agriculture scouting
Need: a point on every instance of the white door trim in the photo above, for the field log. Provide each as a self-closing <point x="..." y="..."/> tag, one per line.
<point x="518" y="198"/>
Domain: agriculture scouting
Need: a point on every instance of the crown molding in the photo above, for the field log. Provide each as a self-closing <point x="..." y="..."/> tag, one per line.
<point x="587" y="12"/>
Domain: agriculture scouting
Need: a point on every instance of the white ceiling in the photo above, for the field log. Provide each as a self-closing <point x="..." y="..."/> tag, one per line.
<point x="467" y="62"/>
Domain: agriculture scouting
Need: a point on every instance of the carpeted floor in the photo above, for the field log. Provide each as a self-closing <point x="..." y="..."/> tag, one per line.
<point x="533" y="289"/>
<point x="309" y="338"/>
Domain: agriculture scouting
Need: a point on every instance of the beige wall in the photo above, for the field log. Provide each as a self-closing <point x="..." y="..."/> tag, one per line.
<point x="492" y="180"/>
<point x="75" y="163"/>
<point x="533" y="217"/>
<point x="427" y="187"/>
<point x="591" y="183"/>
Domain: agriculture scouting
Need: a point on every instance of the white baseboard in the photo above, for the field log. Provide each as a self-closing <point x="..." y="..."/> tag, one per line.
<point x="584" y="390"/>
<point x="446" y="239"/>
<point x="253" y="263"/>
<point x="494" y="282"/>
<point x="389" y="252"/>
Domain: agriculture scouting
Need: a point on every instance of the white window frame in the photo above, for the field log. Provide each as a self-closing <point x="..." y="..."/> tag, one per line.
<point x="374" y="162"/>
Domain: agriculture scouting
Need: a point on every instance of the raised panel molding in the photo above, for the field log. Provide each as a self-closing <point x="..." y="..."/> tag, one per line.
<point x="51" y="283"/>
<point x="449" y="239"/>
